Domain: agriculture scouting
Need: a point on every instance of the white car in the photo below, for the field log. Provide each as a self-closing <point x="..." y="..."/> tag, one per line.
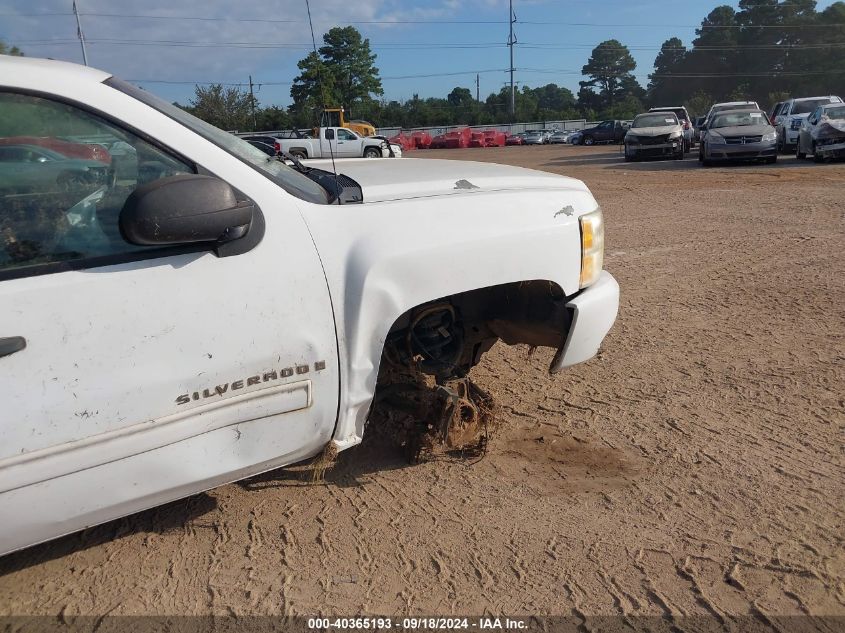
<point x="792" y="115"/>
<point x="214" y="313"/>
<point x="685" y="120"/>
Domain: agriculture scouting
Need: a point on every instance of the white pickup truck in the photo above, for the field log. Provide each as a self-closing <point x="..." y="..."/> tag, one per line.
<point x="338" y="141"/>
<point x="202" y="312"/>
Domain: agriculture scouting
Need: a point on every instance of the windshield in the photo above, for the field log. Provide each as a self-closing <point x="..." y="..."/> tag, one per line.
<point x="287" y="178"/>
<point x="835" y="113"/>
<point x="660" y="119"/>
<point x="805" y="107"/>
<point x="739" y="119"/>
<point x="682" y="116"/>
<point x="742" y="106"/>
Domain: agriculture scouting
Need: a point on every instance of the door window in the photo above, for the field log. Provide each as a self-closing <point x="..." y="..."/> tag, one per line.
<point x="345" y="135"/>
<point x="64" y="176"/>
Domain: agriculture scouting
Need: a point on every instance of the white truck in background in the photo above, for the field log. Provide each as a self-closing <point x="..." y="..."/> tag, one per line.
<point x="212" y="313"/>
<point x="339" y="142"/>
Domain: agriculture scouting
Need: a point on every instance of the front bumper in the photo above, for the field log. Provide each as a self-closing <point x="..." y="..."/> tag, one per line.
<point x="593" y="311"/>
<point x="832" y="150"/>
<point x="643" y="150"/>
<point x="749" y="151"/>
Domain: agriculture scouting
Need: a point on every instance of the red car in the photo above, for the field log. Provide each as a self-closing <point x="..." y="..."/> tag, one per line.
<point x="514" y="139"/>
<point x="87" y="151"/>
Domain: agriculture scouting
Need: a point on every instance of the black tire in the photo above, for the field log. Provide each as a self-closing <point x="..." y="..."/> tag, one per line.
<point x="701" y="152"/>
<point x="817" y="158"/>
<point x="780" y="145"/>
<point x="372" y="152"/>
<point x="798" y="153"/>
<point x="707" y="162"/>
<point x="588" y="141"/>
<point x="298" y="153"/>
<point x="771" y="160"/>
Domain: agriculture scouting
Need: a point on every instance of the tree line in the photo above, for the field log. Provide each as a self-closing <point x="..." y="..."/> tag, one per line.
<point x="765" y="51"/>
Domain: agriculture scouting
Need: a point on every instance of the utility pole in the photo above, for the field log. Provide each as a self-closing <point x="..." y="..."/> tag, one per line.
<point x="477" y="87"/>
<point x="252" y="104"/>
<point x="79" y="33"/>
<point x="511" y="42"/>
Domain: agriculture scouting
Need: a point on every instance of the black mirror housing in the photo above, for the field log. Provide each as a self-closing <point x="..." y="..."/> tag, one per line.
<point x="185" y="209"/>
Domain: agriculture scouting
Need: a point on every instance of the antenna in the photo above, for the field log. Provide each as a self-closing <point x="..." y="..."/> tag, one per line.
<point x="322" y="91"/>
<point x="79" y="34"/>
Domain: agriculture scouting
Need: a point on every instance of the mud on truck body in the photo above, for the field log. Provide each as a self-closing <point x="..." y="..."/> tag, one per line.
<point x="211" y="313"/>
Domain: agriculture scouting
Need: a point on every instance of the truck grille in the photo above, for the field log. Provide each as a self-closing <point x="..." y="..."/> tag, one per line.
<point x="742" y="140"/>
<point x="654" y="140"/>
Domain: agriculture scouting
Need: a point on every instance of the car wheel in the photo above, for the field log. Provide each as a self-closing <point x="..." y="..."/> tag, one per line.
<point x="298" y="153"/>
<point x="372" y="152"/>
<point x="780" y="145"/>
<point x="707" y="162"/>
<point x="798" y="153"/>
<point x="817" y="157"/>
<point x="771" y="160"/>
<point x="701" y="152"/>
<point x="588" y="140"/>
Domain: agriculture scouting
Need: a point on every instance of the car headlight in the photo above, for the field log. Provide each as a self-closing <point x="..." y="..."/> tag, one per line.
<point x="677" y="134"/>
<point x="713" y="137"/>
<point x="592" y="247"/>
<point x="770" y="137"/>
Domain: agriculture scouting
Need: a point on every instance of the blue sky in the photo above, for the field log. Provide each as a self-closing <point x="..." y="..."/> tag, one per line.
<point x="265" y="38"/>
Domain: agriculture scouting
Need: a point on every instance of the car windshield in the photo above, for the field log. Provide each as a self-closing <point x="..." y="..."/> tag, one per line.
<point x="742" y="106"/>
<point x="739" y="119"/>
<point x="682" y="116"/>
<point x="835" y="113"/>
<point x="287" y="178"/>
<point x="805" y="107"/>
<point x="659" y="119"/>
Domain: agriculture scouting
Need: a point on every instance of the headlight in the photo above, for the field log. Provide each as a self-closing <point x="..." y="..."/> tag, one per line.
<point x="677" y="134"/>
<point x="592" y="247"/>
<point x="713" y="137"/>
<point x="771" y="136"/>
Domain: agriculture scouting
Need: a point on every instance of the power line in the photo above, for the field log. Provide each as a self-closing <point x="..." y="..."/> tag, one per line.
<point x="399" y="22"/>
<point x="288" y="83"/>
<point x="421" y="46"/>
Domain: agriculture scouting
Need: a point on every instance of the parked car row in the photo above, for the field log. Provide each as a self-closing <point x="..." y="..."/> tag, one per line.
<point x="789" y="116"/>
<point x="741" y="131"/>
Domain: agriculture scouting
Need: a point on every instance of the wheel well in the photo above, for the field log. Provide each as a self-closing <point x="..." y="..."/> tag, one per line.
<point x="446" y="337"/>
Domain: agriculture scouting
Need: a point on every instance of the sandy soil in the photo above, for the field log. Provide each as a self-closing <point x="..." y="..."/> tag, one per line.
<point x="694" y="467"/>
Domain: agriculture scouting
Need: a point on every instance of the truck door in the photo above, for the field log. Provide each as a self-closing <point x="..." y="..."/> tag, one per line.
<point x="190" y="367"/>
<point x="349" y="144"/>
<point x="604" y="131"/>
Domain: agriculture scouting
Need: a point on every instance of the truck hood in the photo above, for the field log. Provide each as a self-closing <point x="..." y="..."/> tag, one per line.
<point x="654" y="131"/>
<point x="744" y="130"/>
<point x="408" y="178"/>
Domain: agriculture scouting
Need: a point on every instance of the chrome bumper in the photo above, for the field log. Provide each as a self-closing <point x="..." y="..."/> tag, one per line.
<point x="594" y="311"/>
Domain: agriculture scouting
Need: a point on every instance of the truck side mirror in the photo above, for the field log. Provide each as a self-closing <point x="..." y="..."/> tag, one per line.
<point x="185" y="209"/>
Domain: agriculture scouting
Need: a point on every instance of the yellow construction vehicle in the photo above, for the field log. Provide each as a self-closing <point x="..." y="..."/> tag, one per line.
<point x="333" y="117"/>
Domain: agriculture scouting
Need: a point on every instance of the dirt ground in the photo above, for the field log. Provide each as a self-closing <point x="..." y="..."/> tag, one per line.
<point x="695" y="467"/>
